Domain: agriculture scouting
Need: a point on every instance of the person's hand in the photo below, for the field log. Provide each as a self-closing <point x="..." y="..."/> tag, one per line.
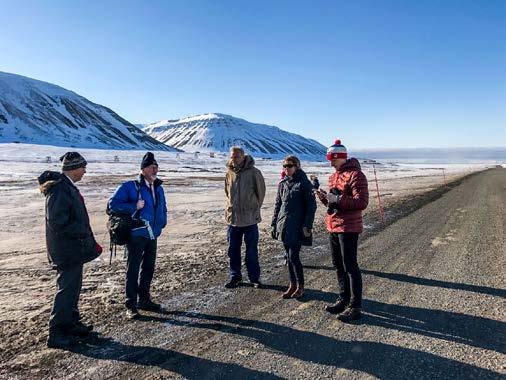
<point x="332" y="198"/>
<point x="273" y="233"/>
<point x="307" y="232"/>
<point x="140" y="204"/>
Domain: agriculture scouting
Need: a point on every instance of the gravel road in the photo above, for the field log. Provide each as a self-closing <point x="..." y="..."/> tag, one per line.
<point x="434" y="308"/>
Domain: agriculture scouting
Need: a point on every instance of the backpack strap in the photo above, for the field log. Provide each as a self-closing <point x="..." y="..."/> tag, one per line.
<point x="139" y="197"/>
<point x="138" y="188"/>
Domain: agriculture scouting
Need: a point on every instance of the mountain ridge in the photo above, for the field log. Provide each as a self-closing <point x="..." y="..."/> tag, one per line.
<point x="217" y="132"/>
<point x="38" y="112"/>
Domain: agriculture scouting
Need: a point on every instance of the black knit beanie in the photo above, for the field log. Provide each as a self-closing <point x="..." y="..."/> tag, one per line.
<point x="71" y="161"/>
<point x="148" y="159"/>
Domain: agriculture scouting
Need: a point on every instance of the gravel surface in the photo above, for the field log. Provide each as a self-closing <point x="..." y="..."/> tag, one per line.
<point x="433" y="308"/>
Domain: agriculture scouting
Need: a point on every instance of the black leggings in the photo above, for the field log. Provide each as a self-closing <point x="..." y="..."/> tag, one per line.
<point x="294" y="265"/>
<point x="344" y="257"/>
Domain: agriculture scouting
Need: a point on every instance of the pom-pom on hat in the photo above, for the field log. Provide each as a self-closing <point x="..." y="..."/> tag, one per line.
<point x="72" y="160"/>
<point x="147" y="160"/>
<point x="336" y="151"/>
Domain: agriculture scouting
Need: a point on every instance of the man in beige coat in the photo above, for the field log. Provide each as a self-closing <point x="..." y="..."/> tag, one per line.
<point x="245" y="190"/>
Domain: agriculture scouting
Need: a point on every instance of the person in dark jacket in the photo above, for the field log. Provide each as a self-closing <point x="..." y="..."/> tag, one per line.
<point x="143" y="199"/>
<point x="315" y="182"/>
<point x="292" y="222"/>
<point x="347" y="197"/>
<point x="70" y="243"/>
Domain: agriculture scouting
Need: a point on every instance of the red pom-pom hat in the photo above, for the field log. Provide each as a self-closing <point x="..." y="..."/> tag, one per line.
<point x="336" y="151"/>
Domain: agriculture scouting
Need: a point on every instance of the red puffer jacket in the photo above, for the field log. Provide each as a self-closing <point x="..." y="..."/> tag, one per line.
<point x="354" y="198"/>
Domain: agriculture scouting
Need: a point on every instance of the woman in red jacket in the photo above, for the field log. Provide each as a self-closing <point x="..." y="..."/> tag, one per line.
<point x="348" y="195"/>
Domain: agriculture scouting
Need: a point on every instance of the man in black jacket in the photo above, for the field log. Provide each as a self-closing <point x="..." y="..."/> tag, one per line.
<point x="70" y="244"/>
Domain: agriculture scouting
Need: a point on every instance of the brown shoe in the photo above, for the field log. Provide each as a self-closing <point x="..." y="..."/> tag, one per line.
<point x="299" y="292"/>
<point x="289" y="291"/>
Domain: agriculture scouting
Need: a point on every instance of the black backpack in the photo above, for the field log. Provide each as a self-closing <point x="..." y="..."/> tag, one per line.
<point x="120" y="225"/>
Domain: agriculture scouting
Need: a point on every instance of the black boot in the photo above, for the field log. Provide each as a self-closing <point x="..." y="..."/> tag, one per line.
<point x="336" y="308"/>
<point x="79" y="329"/>
<point x="58" y="339"/>
<point x="350" y="314"/>
<point x="233" y="283"/>
<point x="150" y="306"/>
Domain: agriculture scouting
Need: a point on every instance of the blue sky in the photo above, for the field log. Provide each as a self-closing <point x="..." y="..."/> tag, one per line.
<point x="377" y="74"/>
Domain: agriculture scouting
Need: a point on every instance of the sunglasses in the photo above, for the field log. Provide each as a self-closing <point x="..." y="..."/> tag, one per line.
<point x="288" y="165"/>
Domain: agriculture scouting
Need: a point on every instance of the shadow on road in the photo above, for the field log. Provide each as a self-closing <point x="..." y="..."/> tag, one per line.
<point x="455" y="327"/>
<point x="377" y="359"/>
<point x="319" y="267"/>
<point x="437" y="283"/>
<point x="190" y="367"/>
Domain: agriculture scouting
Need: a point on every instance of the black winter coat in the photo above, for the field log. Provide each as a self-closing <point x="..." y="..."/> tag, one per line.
<point x="294" y="209"/>
<point x="69" y="237"/>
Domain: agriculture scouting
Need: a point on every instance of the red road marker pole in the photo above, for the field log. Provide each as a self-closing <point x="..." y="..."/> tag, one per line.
<point x="380" y="206"/>
<point x="444" y="177"/>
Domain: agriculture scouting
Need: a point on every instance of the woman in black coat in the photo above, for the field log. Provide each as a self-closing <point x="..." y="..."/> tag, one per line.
<point x="292" y="222"/>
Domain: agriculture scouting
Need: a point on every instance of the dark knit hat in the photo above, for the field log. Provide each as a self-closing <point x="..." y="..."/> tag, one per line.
<point x="72" y="160"/>
<point x="336" y="151"/>
<point x="148" y="159"/>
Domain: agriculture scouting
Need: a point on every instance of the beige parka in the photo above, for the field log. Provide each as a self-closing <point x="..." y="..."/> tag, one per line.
<point x="245" y="191"/>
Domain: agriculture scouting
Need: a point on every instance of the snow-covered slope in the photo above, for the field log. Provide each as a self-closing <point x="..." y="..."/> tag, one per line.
<point x="216" y="132"/>
<point x="37" y="112"/>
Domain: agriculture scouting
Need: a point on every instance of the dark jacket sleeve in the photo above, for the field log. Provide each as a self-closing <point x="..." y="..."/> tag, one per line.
<point x="277" y="206"/>
<point x="359" y="197"/>
<point x="59" y="216"/>
<point x="310" y="205"/>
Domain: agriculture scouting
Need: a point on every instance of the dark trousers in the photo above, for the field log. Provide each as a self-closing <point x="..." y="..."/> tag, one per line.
<point x="140" y="269"/>
<point x="294" y="265"/>
<point x="235" y="236"/>
<point x="65" y="312"/>
<point x="344" y="257"/>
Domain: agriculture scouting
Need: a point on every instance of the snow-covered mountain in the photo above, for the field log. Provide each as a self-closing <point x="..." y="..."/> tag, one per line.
<point x="216" y="132"/>
<point x="32" y="111"/>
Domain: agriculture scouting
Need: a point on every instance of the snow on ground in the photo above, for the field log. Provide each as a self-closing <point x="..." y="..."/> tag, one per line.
<point x="193" y="186"/>
<point x="24" y="161"/>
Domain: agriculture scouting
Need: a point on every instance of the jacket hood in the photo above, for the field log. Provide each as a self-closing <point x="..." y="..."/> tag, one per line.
<point x="351" y="164"/>
<point x="48" y="179"/>
<point x="249" y="162"/>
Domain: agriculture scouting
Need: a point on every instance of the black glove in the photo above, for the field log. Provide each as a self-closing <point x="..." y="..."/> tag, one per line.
<point x="333" y="207"/>
<point x="273" y="233"/>
<point x="335" y="191"/>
